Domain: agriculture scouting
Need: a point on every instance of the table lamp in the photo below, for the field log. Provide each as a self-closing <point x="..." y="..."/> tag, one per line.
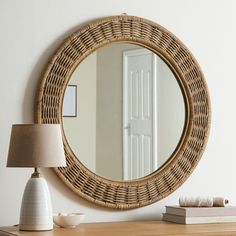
<point x="36" y="145"/>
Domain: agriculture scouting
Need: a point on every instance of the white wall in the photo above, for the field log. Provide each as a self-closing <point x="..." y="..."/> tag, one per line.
<point x="30" y="32"/>
<point x="170" y="112"/>
<point x="80" y="131"/>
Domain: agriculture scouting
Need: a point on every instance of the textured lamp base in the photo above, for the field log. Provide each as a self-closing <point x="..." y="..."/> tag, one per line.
<point x="35" y="227"/>
<point x="36" y="209"/>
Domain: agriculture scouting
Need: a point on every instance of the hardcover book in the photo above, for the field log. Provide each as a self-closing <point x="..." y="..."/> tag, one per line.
<point x="201" y="211"/>
<point x="198" y="219"/>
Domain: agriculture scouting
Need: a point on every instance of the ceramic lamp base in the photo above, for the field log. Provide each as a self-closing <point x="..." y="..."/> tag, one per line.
<point x="35" y="227"/>
<point x="36" y="208"/>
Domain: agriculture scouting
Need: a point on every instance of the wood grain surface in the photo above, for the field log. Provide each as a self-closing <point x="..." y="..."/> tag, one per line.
<point x="133" y="228"/>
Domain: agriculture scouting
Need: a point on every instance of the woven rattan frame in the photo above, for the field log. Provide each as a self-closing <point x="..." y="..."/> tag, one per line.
<point x="147" y="190"/>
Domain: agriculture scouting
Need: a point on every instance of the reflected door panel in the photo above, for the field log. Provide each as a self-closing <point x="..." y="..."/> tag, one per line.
<point x="139" y="152"/>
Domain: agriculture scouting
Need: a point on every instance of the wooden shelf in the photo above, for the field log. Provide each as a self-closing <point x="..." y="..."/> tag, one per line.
<point x="131" y="228"/>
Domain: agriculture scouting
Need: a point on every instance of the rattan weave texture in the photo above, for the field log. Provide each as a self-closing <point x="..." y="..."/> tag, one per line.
<point x="147" y="190"/>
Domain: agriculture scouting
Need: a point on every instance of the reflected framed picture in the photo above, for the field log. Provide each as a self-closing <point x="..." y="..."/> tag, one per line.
<point x="70" y="102"/>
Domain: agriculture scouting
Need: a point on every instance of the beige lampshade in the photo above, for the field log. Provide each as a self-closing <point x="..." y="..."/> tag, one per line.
<point x="36" y="145"/>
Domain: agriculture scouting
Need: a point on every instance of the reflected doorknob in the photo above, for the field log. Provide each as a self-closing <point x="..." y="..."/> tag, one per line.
<point x="128" y="128"/>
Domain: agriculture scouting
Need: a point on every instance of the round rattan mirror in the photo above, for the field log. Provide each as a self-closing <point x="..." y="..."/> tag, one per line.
<point x="165" y="180"/>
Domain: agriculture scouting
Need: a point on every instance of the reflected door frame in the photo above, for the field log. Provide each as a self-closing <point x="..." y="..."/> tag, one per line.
<point x="126" y="124"/>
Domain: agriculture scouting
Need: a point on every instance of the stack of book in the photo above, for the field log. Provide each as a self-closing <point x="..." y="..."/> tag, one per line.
<point x="200" y="215"/>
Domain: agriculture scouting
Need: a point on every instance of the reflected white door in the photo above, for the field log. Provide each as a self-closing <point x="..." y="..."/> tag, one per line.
<point x="139" y="113"/>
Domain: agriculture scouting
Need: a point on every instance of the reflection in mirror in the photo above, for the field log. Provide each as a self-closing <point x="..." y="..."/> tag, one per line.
<point x="131" y="112"/>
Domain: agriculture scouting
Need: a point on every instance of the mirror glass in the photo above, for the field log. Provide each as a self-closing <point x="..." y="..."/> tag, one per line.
<point x="127" y="112"/>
